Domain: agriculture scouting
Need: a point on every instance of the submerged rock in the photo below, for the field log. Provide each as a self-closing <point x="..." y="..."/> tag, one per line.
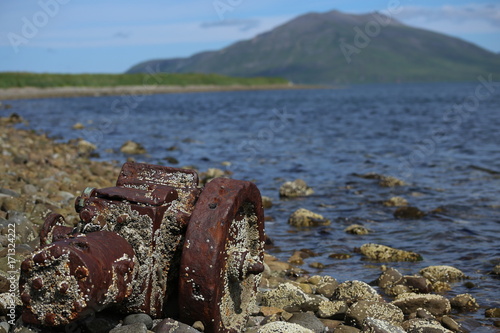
<point x="396" y="202"/>
<point x="297" y="188"/>
<point x="386" y="254"/>
<point x="408" y="213"/>
<point x="305" y="218"/>
<point x="442" y="273"/>
<point x="132" y="148"/>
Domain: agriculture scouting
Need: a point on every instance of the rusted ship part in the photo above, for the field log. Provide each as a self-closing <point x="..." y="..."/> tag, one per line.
<point x="154" y="238"/>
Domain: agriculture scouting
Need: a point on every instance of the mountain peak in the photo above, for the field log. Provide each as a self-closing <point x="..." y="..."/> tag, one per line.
<point x="335" y="47"/>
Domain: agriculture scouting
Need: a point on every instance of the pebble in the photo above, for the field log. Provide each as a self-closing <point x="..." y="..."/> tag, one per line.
<point x="354" y="291"/>
<point x="360" y="311"/>
<point x="173" y="326"/>
<point x="132" y="328"/>
<point x="139" y="318"/>
<point x="396" y="202"/>
<point x="282" y="327"/>
<point x="308" y="320"/>
<point x="305" y="218"/>
<point x="132" y="148"/>
<point x="373" y="325"/>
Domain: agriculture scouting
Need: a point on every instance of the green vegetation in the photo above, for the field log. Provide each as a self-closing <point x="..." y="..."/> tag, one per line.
<point x="19" y="80"/>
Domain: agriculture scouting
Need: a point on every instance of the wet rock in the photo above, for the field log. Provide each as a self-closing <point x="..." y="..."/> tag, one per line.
<point x="297" y="188"/>
<point x="332" y="309"/>
<point x="417" y="284"/>
<point x="266" y="202"/>
<point x="267" y="311"/>
<point x="408" y="212"/>
<point x="305" y="218"/>
<point x="451" y="324"/>
<point x="424" y="326"/>
<point x="85" y="148"/>
<point x="14" y="118"/>
<point x="437" y="305"/>
<point x="390" y="277"/>
<point x="389" y="181"/>
<point x="307" y="320"/>
<point x="78" y="126"/>
<point x="373" y="325"/>
<point x="386" y="254"/>
<point x="139" y="318"/>
<point x="442" y="273"/>
<point x="357" y="229"/>
<point x="132" y="148"/>
<point x="330" y="324"/>
<point x="172" y="326"/>
<point x="464" y="302"/>
<point x="362" y="310"/>
<point x="354" y="291"/>
<point x="496" y="270"/>
<point x="326" y="286"/>
<point x="492" y="313"/>
<point x="281" y="326"/>
<point x="171" y="160"/>
<point x="285" y="296"/>
<point x="340" y="256"/>
<point x="99" y="325"/>
<point x="298" y="258"/>
<point x="9" y="193"/>
<point x="396" y="202"/>
<point x="133" y="328"/>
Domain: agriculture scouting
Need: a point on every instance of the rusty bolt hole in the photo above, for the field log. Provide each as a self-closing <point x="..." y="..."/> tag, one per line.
<point x="212" y="206"/>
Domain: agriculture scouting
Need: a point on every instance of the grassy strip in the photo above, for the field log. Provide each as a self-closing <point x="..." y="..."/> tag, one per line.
<point x="20" y="80"/>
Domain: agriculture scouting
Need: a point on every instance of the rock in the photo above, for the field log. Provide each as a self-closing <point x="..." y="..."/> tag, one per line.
<point x="390" y="277"/>
<point x="451" y="324"/>
<point x="285" y="296"/>
<point x="330" y="324"/>
<point x="305" y="218"/>
<point x="373" y="325"/>
<point x="492" y="313"/>
<point x="332" y="309"/>
<point x="424" y="326"/>
<point x="408" y="212"/>
<point x="282" y="327"/>
<point x="389" y="181"/>
<point x="307" y="320"/>
<point x="385" y="253"/>
<point x="297" y="188"/>
<point x="362" y="310"/>
<point x="267" y="311"/>
<point x="464" y="302"/>
<point x="99" y="325"/>
<point x="198" y="325"/>
<point x="326" y="286"/>
<point x="346" y="329"/>
<point x="437" y="305"/>
<point x="297" y="258"/>
<point x="442" y="273"/>
<point x="266" y="202"/>
<point x="132" y="148"/>
<point x="9" y="193"/>
<point x="133" y="328"/>
<point x="417" y="284"/>
<point x="496" y="270"/>
<point x="173" y="326"/>
<point x="357" y="229"/>
<point x="340" y="256"/>
<point x="139" y="318"/>
<point x="78" y="126"/>
<point x="354" y="291"/>
<point x="396" y="202"/>
<point x="85" y="148"/>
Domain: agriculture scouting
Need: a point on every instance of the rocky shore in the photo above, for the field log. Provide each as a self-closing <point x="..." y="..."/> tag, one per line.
<point x="40" y="176"/>
<point x="32" y="92"/>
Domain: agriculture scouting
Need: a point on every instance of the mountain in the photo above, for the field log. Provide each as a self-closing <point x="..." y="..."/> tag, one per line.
<point x="336" y="48"/>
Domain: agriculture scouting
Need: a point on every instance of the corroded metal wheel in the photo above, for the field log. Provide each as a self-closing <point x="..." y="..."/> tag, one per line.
<point x="222" y="257"/>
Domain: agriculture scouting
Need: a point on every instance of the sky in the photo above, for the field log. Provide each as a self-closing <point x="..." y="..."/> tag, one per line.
<point x="99" y="36"/>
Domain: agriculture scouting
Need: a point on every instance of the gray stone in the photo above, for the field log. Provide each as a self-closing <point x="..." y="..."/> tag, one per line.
<point x="371" y="325"/>
<point x="282" y="327"/>
<point x="424" y="326"/>
<point x="437" y="305"/>
<point x="297" y="188"/>
<point x="139" y="318"/>
<point x="332" y="309"/>
<point x="353" y="291"/>
<point x="8" y="192"/>
<point x="98" y="325"/>
<point x="346" y="329"/>
<point x="362" y="310"/>
<point x="308" y="320"/>
<point x="285" y="296"/>
<point x="451" y="324"/>
<point x="133" y="328"/>
<point x="173" y="326"/>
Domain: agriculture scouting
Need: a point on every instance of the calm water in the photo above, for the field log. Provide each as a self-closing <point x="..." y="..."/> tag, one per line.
<point x="439" y="138"/>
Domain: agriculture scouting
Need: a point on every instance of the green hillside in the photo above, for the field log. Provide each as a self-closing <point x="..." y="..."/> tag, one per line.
<point x="328" y="48"/>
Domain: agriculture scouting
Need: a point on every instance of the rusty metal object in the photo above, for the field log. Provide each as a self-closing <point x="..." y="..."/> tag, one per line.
<point x="131" y="242"/>
<point x="226" y="230"/>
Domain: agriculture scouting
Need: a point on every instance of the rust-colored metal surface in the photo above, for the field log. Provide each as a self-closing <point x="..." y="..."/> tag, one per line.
<point x="152" y="239"/>
<point x="222" y="256"/>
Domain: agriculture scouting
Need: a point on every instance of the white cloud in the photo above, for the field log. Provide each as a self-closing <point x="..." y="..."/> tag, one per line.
<point x="465" y="19"/>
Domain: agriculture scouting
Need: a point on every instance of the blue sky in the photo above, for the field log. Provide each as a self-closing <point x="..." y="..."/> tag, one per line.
<point x="72" y="36"/>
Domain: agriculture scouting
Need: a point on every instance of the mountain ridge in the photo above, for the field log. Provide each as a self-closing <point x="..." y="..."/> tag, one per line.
<point x="338" y="48"/>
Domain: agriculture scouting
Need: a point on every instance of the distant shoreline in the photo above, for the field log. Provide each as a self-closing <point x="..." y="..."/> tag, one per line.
<point x="54" y="92"/>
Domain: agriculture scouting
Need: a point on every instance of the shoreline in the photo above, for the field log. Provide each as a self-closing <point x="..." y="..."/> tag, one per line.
<point x="55" y="92"/>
